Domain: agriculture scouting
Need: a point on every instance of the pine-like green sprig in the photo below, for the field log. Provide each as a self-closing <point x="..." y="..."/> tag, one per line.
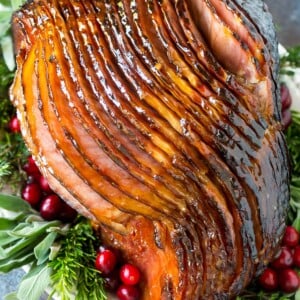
<point x="13" y="152"/>
<point x="73" y="268"/>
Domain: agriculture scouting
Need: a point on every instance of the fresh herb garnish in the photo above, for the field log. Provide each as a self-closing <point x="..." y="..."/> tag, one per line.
<point x="73" y="268"/>
<point x="7" y="7"/>
<point x="293" y="140"/>
<point x="6" y="77"/>
<point x="13" y="153"/>
<point x="290" y="60"/>
<point x="25" y="238"/>
<point x="62" y="255"/>
<point x="12" y="149"/>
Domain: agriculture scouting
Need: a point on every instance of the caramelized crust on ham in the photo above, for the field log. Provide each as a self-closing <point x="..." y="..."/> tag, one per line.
<point x="160" y="121"/>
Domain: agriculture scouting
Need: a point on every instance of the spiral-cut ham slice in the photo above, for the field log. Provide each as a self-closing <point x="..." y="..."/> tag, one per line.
<point x="160" y="121"/>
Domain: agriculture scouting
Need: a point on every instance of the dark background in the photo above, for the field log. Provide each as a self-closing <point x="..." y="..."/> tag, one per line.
<point x="286" y="14"/>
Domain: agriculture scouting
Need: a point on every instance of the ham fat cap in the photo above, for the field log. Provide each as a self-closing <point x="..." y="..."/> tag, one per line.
<point x="160" y="121"/>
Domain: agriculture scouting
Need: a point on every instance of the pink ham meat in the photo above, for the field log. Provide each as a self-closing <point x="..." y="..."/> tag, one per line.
<point x="160" y="121"/>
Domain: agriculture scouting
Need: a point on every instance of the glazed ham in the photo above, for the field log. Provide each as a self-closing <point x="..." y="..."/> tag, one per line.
<point x="160" y="121"/>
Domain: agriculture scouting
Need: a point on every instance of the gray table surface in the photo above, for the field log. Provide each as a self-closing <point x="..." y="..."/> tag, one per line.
<point x="287" y="19"/>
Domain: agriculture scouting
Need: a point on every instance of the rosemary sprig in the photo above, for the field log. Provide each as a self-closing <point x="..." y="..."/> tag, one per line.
<point x="13" y="155"/>
<point x="73" y="268"/>
<point x="6" y="108"/>
<point x="13" y="152"/>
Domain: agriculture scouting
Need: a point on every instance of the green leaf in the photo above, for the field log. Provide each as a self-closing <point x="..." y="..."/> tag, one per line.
<point x="54" y="250"/>
<point x="8" y="52"/>
<point x="5" y="15"/>
<point x="15" y="4"/>
<point x="6" y="239"/>
<point x="34" y="229"/>
<point x="5" y="2"/>
<point x="34" y="283"/>
<point x="11" y="296"/>
<point x="14" y="203"/>
<point x="25" y="244"/>
<point x="296" y="222"/>
<point x="43" y="250"/>
<point x="6" y="224"/>
<point x="6" y="265"/>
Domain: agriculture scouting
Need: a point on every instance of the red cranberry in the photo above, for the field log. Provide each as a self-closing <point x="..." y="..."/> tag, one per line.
<point x="103" y="247"/>
<point x="117" y="252"/>
<point x="67" y="213"/>
<point x="31" y="168"/>
<point x="106" y="261"/>
<point x="288" y="280"/>
<point x="30" y="179"/>
<point x="268" y="280"/>
<point x="32" y="193"/>
<point x="284" y="260"/>
<point x="112" y="282"/>
<point x="286" y="99"/>
<point x="296" y="256"/>
<point x="291" y="237"/>
<point x="51" y="207"/>
<point x="14" y="125"/>
<point x="128" y="292"/>
<point x="130" y="274"/>
<point x="286" y="119"/>
<point x="45" y="185"/>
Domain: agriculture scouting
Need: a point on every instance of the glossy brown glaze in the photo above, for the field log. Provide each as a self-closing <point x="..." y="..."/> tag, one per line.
<point x="159" y="120"/>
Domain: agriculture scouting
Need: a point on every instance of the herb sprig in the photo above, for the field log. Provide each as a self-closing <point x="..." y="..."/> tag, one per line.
<point x="12" y="148"/>
<point x="25" y="238"/>
<point x="293" y="140"/>
<point x="61" y="256"/>
<point x="73" y="268"/>
<point x="290" y="60"/>
<point x="13" y="151"/>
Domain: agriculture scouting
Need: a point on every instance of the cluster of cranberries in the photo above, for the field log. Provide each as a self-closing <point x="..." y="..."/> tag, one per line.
<point x="281" y="274"/>
<point x="123" y="279"/>
<point x="39" y="195"/>
<point x="37" y="191"/>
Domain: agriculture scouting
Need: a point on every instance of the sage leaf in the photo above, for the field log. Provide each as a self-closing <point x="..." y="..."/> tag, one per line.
<point x="14" y="203"/>
<point x="6" y="224"/>
<point x="9" y="264"/>
<point x="5" y="15"/>
<point x="34" y="229"/>
<point x="6" y="239"/>
<point x="34" y="283"/>
<point x="5" y="2"/>
<point x="11" y="296"/>
<point x="15" y="4"/>
<point x="43" y="249"/>
<point x="54" y="249"/>
<point x="26" y="244"/>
